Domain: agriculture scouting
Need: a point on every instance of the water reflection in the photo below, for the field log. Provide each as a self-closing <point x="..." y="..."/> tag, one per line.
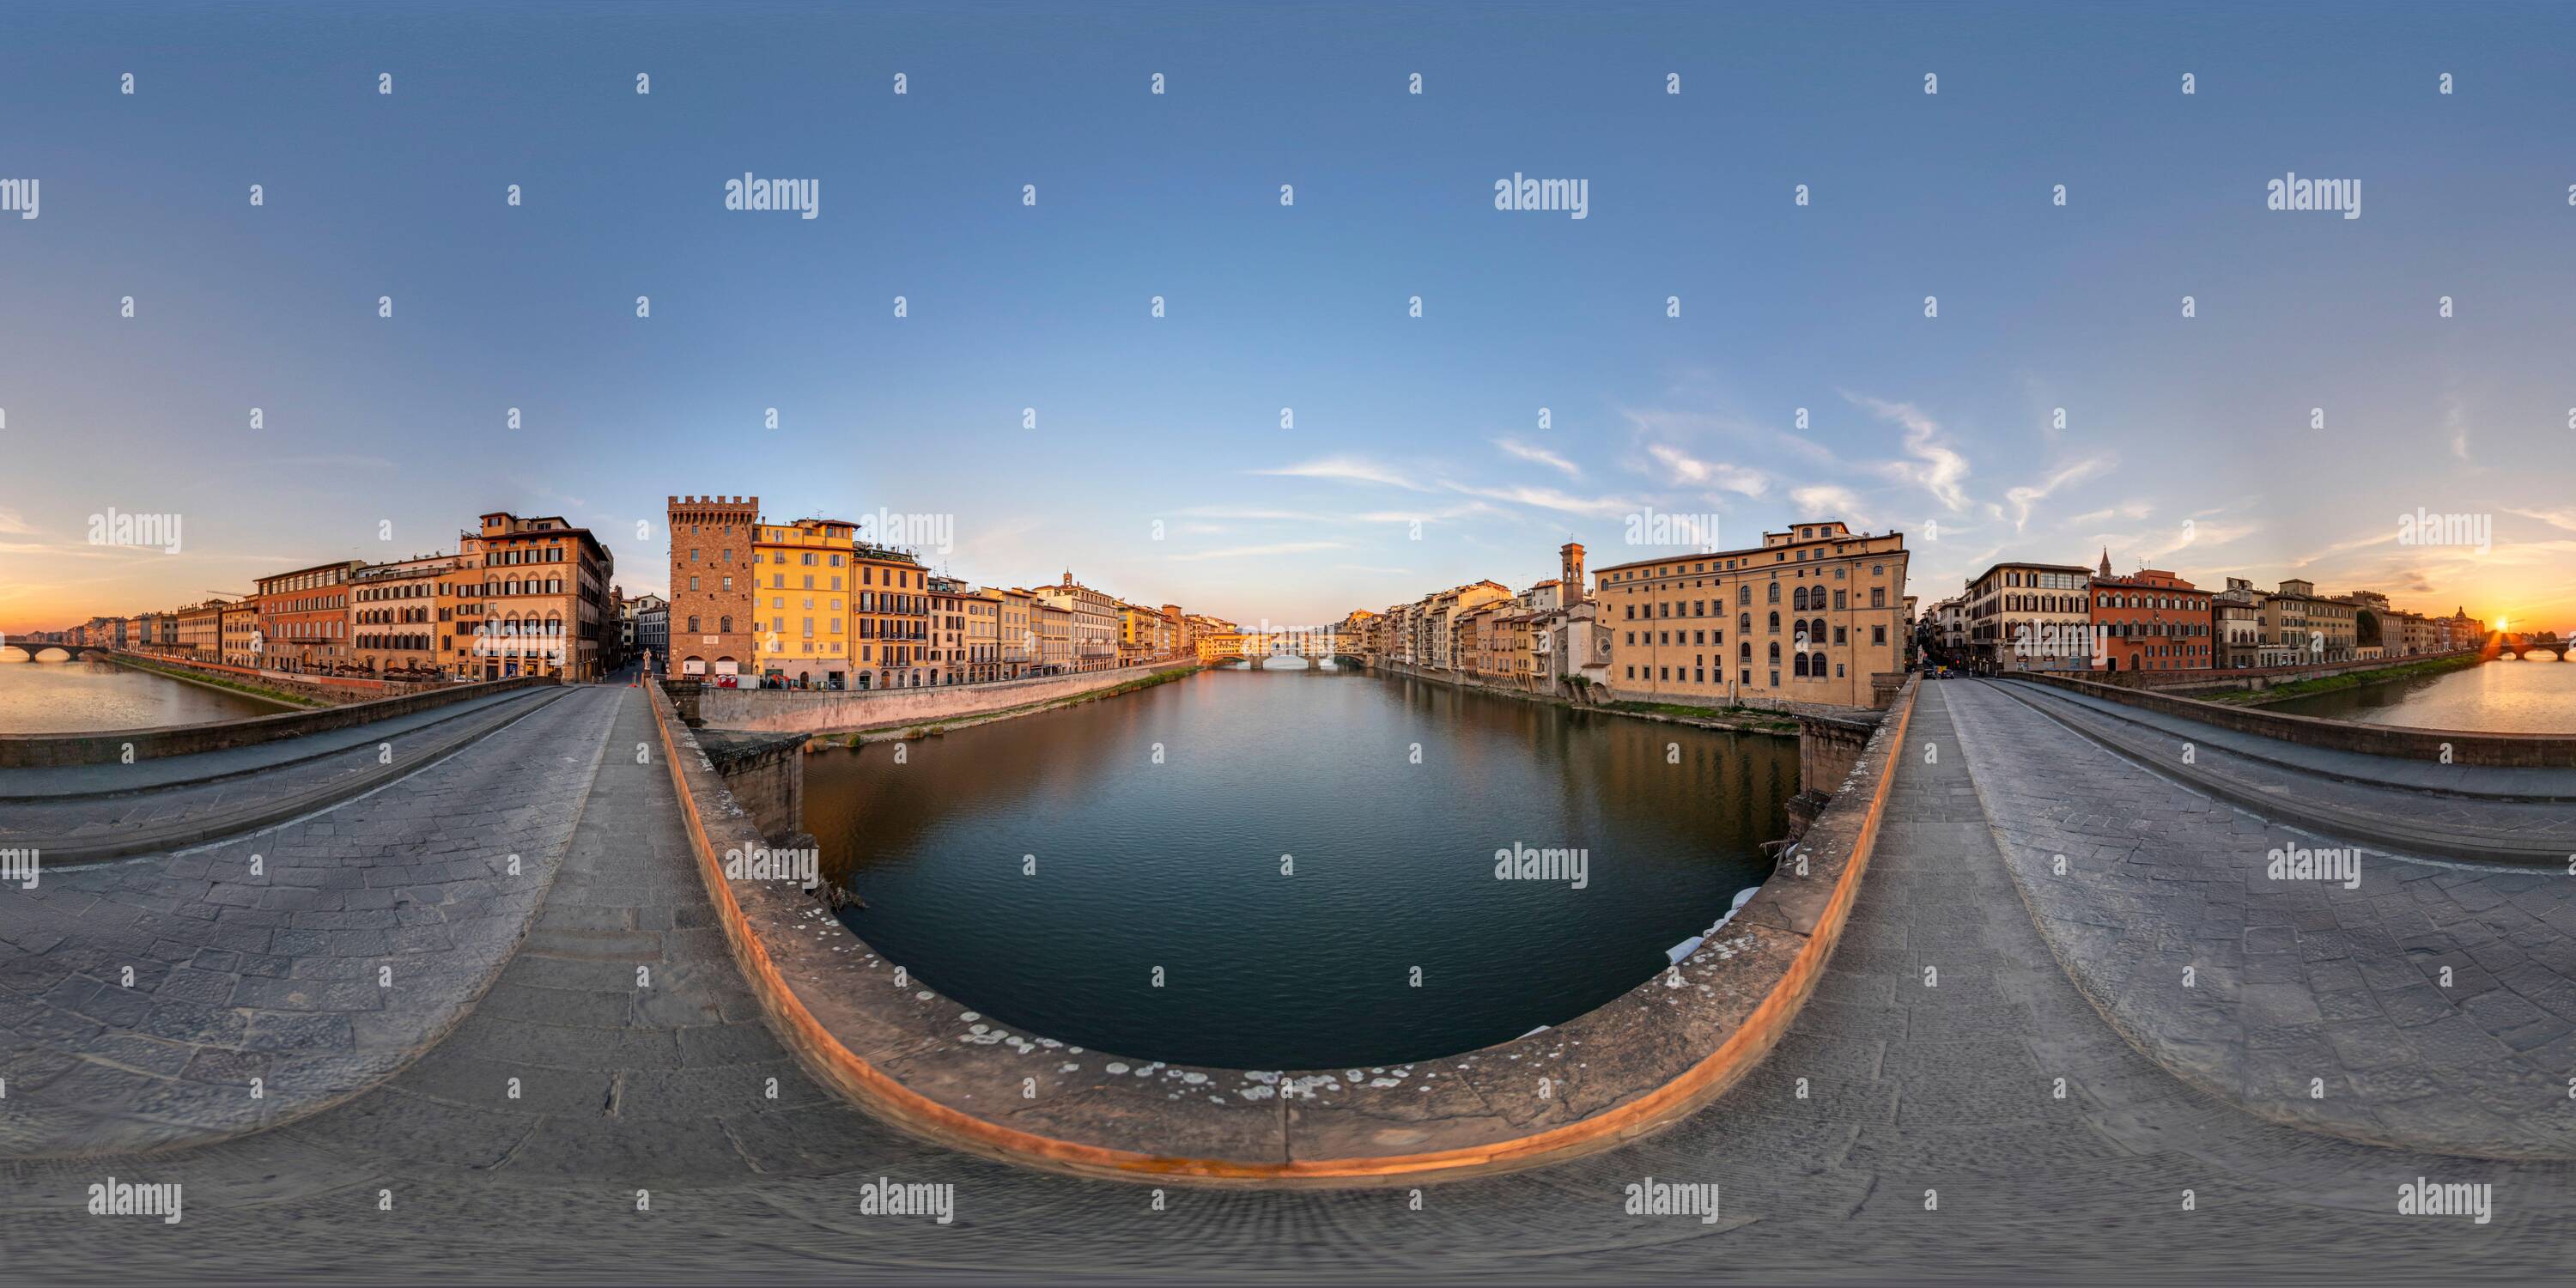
<point x="1041" y="869"/>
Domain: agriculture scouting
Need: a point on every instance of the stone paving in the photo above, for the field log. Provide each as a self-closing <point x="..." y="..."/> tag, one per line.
<point x="49" y="781"/>
<point x="2457" y="811"/>
<point x="2422" y="1003"/>
<point x="141" y="1000"/>
<point x="81" y="826"/>
<point x="1931" y="1141"/>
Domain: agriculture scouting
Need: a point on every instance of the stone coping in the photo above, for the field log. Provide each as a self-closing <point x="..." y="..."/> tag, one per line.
<point x="1627" y="1069"/>
<point x="2441" y="746"/>
<point x="21" y="751"/>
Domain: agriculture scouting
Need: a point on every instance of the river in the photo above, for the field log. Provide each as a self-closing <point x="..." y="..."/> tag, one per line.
<point x="93" y="697"/>
<point x="1247" y="869"/>
<point x="2537" y="695"/>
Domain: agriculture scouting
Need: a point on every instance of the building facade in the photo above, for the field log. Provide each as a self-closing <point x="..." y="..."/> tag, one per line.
<point x="304" y="618"/>
<point x="2031" y="617"/>
<point x="1811" y="618"/>
<point x="711" y="599"/>
<point x="801" y="601"/>
<point x="542" y="601"/>
<point x="1093" y="620"/>
<point x="394" y="624"/>
<point x="2150" y="620"/>
<point x="2302" y="628"/>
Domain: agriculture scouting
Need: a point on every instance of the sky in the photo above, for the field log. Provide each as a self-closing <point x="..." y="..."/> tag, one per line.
<point x="1288" y="440"/>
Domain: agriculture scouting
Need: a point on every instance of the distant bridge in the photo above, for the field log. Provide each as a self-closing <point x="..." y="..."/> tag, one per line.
<point x="1316" y="646"/>
<point x="2522" y="646"/>
<point x="47" y="652"/>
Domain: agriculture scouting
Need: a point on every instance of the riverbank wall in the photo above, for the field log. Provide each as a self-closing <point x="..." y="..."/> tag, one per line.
<point x="21" y="751"/>
<point x="1630" y="1068"/>
<point x="863" y="710"/>
<point x="2438" y="746"/>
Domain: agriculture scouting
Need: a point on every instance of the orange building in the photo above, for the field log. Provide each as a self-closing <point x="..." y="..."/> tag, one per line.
<point x="2150" y="620"/>
<point x="304" y="618"/>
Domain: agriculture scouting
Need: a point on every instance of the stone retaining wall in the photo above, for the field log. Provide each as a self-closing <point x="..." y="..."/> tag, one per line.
<point x="338" y="690"/>
<point x="2435" y="746"/>
<point x="2255" y="678"/>
<point x="22" y="751"/>
<point x="1627" y="1069"/>
<point x="808" y="711"/>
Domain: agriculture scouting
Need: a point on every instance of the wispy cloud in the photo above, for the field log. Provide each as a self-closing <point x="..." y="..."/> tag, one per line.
<point x="1348" y="469"/>
<point x="2021" y="499"/>
<point x="1538" y="455"/>
<point x="1937" y="467"/>
<point x="1829" y="501"/>
<point x="1548" y="498"/>
<point x="12" y="524"/>
<point x="1240" y="552"/>
<point x="1717" y="474"/>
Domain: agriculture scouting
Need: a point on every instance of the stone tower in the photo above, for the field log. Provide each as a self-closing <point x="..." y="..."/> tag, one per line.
<point x="711" y="584"/>
<point x="1569" y="574"/>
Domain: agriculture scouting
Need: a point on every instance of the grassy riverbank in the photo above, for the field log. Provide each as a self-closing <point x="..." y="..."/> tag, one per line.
<point x="2337" y="683"/>
<point x="1744" y="719"/>
<point x="259" y="691"/>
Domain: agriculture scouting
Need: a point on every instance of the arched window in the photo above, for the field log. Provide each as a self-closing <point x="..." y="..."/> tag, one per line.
<point x="1798" y="666"/>
<point x="725" y="626"/>
<point x="1745" y="650"/>
<point x="1775" y="652"/>
<point x="1775" y="592"/>
<point x="1775" y="627"/>
<point x="1816" y="632"/>
<point x="693" y="625"/>
<point x="1744" y="594"/>
<point x="1798" y="599"/>
<point x="1744" y="621"/>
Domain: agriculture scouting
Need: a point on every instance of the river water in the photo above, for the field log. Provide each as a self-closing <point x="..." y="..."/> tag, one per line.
<point x="92" y="697"/>
<point x="2537" y="695"/>
<point x="1049" y="870"/>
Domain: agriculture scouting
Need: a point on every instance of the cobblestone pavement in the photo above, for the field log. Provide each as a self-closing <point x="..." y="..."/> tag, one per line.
<point x="140" y="1000"/>
<point x="2459" y="811"/>
<point x="97" y="824"/>
<point x="47" y="781"/>
<point x="1931" y="1141"/>
<point x="2423" y="1003"/>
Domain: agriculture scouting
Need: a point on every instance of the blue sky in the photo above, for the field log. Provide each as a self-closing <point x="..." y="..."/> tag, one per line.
<point x="2188" y="442"/>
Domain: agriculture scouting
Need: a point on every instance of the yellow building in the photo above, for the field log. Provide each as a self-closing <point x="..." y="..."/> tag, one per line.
<point x="1812" y="618"/>
<point x="1021" y="650"/>
<point x="801" y="596"/>
<point x="983" y="635"/>
<point x="1054" y="636"/>
<point x="892" y="612"/>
